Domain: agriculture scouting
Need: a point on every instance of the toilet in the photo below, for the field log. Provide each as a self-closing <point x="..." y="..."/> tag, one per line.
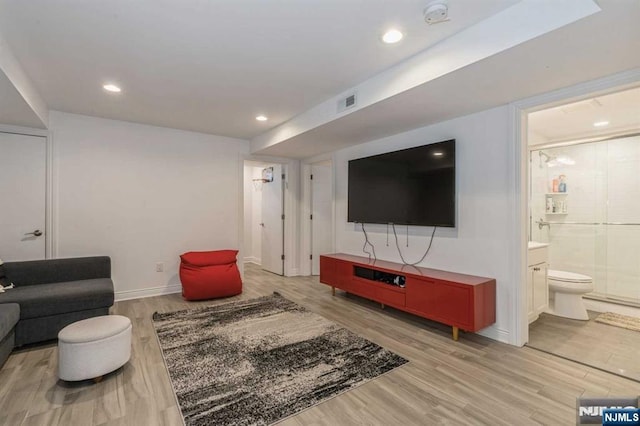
<point x="565" y="294"/>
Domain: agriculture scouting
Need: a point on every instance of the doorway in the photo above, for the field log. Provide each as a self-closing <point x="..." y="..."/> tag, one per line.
<point x="582" y="230"/>
<point x="23" y="184"/>
<point x="264" y="218"/>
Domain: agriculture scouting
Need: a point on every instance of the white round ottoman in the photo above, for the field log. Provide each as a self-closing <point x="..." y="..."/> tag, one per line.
<point x="93" y="347"/>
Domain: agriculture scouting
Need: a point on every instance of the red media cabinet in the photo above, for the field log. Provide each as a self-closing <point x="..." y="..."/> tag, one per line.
<point x="462" y="301"/>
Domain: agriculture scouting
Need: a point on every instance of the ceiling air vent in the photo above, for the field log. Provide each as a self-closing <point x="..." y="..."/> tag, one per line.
<point x="347" y="102"/>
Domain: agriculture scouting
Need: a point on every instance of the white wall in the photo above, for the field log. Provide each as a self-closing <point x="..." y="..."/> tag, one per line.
<point x="479" y="244"/>
<point x="142" y="194"/>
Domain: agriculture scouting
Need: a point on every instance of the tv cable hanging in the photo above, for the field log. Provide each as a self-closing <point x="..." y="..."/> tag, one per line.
<point x="367" y="242"/>
<point x="393" y="226"/>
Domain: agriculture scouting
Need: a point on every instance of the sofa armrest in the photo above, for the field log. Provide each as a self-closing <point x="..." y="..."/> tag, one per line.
<point x="58" y="270"/>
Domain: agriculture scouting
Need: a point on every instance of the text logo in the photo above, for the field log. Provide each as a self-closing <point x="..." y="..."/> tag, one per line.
<point x="621" y="417"/>
<point x="590" y="411"/>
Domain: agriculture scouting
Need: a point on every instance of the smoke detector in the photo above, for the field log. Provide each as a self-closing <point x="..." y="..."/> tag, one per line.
<point x="436" y="11"/>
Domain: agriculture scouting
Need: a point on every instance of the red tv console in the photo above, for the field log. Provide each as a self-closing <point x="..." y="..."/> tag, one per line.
<point x="462" y="301"/>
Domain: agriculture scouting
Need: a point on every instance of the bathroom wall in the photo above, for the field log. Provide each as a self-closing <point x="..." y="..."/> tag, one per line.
<point x="603" y="189"/>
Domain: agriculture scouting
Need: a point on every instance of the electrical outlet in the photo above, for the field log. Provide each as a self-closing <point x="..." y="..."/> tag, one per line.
<point x="159" y="267"/>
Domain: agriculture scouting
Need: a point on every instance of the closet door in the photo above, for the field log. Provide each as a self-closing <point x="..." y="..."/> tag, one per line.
<point x="22" y="197"/>
<point x="273" y="223"/>
<point x="321" y="211"/>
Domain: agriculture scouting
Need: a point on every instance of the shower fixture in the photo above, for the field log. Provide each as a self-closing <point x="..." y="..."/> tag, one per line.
<point x="541" y="223"/>
<point x="546" y="159"/>
<point x="554" y="160"/>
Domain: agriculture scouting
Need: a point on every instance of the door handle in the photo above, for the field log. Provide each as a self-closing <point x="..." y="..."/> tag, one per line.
<point x="35" y="233"/>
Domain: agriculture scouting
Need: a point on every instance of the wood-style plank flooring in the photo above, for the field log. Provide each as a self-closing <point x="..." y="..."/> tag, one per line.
<point x="600" y="345"/>
<point x="472" y="381"/>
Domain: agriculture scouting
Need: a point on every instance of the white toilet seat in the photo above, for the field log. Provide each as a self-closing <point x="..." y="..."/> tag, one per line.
<point x="569" y="287"/>
<point x="568" y="276"/>
<point x="569" y="282"/>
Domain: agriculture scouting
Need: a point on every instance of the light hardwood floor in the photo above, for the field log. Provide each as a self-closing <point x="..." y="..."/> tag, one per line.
<point x="600" y="345"/>
<point x="472" y="381"/>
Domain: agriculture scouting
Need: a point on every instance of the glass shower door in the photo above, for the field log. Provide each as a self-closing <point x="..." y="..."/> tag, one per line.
<point x="596" y="232"/>
<point x="623" y="219"/>
<point x="571" y="219"/>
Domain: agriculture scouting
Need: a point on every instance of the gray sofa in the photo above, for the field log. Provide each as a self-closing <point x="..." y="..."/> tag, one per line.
<point x="9" y="315"/>
<point x="49" y="295"/>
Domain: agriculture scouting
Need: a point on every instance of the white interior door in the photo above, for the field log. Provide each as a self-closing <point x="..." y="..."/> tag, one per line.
<point x="22" y="195"/>
<point x="273" y="223"/>
<point x="321" y="214"/>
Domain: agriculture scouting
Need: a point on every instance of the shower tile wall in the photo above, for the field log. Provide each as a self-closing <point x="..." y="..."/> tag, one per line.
<point x="623" y="248"/>
<point x="602" y="186"/>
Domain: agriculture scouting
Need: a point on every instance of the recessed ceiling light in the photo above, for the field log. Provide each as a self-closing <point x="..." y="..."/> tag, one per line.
<point x="261" y="118"/>
<point x="112" y="88"/>
<point x="392" y="36"/>
<point x="600" y="123"/>
<point x="438" y="154"/>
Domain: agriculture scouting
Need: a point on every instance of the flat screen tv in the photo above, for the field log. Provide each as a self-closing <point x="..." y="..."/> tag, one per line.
<point x="415" y="186"/>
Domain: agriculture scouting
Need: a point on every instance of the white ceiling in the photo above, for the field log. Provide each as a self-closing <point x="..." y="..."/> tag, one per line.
<point x="602" y="44"/>
<point x="212" y="66"/>
<point x="575" y="120"/>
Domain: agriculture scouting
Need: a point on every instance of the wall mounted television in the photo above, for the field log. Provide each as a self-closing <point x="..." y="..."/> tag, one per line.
<point x="415" y="186"/>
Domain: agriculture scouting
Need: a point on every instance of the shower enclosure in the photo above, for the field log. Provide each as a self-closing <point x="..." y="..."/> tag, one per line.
<point x="585" y="202"/>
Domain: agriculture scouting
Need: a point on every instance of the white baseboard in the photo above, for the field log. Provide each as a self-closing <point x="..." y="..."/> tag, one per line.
<point x="496" y="333"/>
<point x="293" y="273"/>
<point x="253" y="259"/>
<point x="147" y="292"/>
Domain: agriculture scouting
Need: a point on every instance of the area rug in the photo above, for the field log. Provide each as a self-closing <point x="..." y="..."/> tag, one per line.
<point x="261" y="360"/>
<point x="618" y="320"/>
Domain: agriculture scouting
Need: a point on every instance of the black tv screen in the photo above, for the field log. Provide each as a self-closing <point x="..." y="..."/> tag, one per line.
<point x="415" y="186"/>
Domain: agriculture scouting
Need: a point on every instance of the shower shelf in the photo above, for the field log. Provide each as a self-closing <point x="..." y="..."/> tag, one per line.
<point x="556" y="198"/>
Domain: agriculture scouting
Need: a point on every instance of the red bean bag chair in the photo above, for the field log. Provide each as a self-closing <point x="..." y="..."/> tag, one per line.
<point x="209" y="274"/>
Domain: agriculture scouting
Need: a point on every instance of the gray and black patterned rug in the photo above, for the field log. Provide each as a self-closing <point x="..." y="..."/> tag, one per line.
<point x="261" y="360"/>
